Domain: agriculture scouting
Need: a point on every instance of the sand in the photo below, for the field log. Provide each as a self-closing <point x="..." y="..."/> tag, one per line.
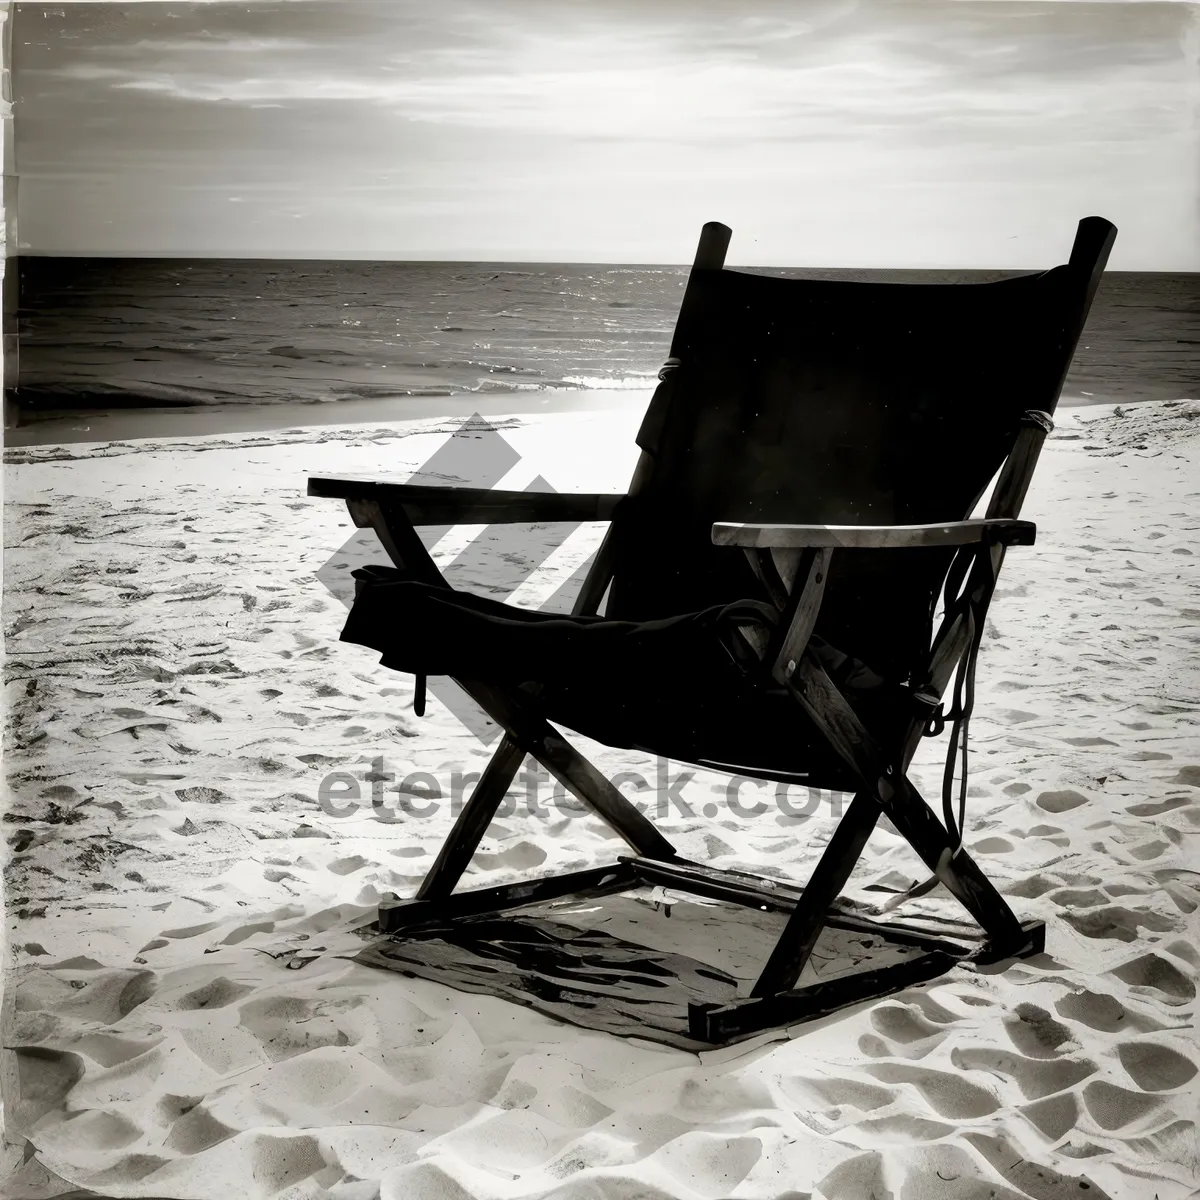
<point x="181" y="1019"/>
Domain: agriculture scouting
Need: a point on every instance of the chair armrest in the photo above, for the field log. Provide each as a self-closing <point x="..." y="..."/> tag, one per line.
<point x="1005" y="532"/>
<point x="425" y="504"/>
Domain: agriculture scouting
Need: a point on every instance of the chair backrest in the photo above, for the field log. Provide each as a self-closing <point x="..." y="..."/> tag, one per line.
<point x="814" y="401"/>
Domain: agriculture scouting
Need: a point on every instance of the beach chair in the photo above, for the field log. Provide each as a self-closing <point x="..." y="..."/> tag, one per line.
<point x="810" y="463"/>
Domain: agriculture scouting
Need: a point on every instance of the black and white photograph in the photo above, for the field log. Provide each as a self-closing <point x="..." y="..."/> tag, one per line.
<point x="601" y="599"/>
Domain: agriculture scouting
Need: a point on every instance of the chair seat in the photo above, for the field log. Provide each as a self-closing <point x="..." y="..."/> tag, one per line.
<point x="671" y="687"/>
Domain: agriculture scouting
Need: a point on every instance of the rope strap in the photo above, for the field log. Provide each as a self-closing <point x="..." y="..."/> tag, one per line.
<point x="974" y="611"/>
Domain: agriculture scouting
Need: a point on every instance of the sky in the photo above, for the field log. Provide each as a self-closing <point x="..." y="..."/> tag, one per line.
<point x="922" y="133"/>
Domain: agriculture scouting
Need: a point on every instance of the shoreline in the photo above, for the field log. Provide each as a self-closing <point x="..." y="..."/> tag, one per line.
<point x="187" y="421"/>
<point x="217" y="420"/>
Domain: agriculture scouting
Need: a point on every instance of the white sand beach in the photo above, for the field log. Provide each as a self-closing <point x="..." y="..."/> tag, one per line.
<point x="181" y="1019"/>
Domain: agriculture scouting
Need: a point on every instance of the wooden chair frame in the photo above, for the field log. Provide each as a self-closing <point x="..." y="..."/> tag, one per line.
<point x="793" y="563"/>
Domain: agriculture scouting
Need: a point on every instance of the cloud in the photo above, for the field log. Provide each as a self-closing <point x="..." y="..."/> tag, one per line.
<point x="585" y="74"/>
<point x="559" y="97"/>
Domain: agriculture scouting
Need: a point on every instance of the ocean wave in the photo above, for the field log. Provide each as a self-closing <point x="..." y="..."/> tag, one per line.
<point x="65" y="398"/>
<point x="597" y="383"/>
<point x="302" y="352"/>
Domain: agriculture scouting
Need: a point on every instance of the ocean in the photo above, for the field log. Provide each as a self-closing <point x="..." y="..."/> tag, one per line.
<point x="99" y="335"/>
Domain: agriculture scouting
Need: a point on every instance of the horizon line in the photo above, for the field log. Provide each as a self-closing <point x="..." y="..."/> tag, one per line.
<point x="169" y="256"/>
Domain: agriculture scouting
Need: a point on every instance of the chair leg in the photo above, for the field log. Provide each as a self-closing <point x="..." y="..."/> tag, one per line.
<point x="903" y="804"/>
<point x="539" y="738"/>
<point x="916" y="823"/>
<point x="460" y="846"/>
<point x="807" y="920"/>
<point x="570" y="768"/>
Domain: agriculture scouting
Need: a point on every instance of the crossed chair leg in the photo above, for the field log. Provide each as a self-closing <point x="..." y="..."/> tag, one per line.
<point x="774" y="1000"/>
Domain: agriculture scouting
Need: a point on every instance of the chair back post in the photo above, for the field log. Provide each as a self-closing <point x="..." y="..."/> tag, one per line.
<point x="710" y="256"/>
<point x="1017" y="473"/>
<point x="712" y="248"/>
<point x="1094" y="239"/>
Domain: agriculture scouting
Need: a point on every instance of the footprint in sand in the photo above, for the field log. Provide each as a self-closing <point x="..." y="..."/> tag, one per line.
<point x="1063" y="801"/>
<point x="1184" y="889"/>
<point x="1036" y="1077"/>
<point x="851" y="1093"/>
<point x="1032" y="887"/>
<point x="904" y="1023"/>
<point x="1033" y="1179"/>
<point x="115" y="994"/>
<point x="287" y="1026"/>
<point x="347" y="866"/>
<point x="217" y="993"/>
<point x="1145" y="851"/>
<point x="1051" y="833"/>
<point x="1098" y="1010"/>
<point x="909" y="1030"/>
<point x="1079" y="897"/>
<point x="993" y="845"/>
<point x="1116" y="921"/>
<point x="947" y="1094"/>
<point x="522" y="855"/>
<point x="236" y="936"/>
<point x="111" y="1050"/>
<point x="1151" y="973"/>
<point x="931" y="1010"/>
<point x="898" y="1127"/>
<point x="1155" y="1068"/>
<point x="1036" y="1033"/>
<point x="978" y="1001"/>
<point x="1015" y="716"/>
<point x="101" y="1131"/>
<point x="1054" y="1116"/>
<point x="876" y="1047"/>
<point x="1113" y="1107"/>
<point x="196" y="1130"/>
<point x="44" y="1078"/>
<point x="1162" y="806"/>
